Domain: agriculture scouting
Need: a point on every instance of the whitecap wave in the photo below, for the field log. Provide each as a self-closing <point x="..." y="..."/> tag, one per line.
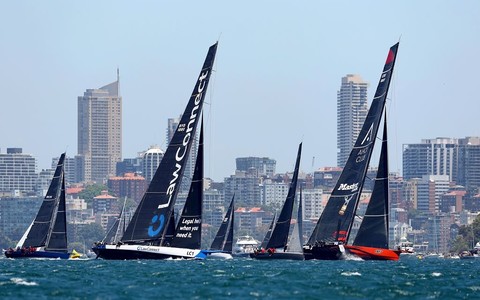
<point x="436" y="274"/>
<point x="351" y="274"/>
<point x="21" y="281"/>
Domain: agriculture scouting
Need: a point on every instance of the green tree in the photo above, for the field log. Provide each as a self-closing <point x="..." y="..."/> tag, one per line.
<point x="91" y="191"/>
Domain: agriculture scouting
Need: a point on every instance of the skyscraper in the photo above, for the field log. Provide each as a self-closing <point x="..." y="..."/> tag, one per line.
<point x="100" y="131"/>
<point x="351" y="113"/>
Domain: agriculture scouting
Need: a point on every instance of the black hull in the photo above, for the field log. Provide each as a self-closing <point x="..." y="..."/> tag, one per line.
<point x="324" y="252"/>
<point x="37" y="254"/>
<point x="122" y="254"/>
<point x="278" y="255"/>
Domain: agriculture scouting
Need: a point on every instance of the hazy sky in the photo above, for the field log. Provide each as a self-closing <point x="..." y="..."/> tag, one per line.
<point x="278" y="69"/>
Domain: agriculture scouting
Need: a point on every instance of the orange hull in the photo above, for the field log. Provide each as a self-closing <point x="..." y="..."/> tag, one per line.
<point x="371" y="253"/>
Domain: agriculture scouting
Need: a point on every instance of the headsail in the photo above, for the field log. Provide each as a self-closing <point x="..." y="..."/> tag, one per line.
<point x="188" y="233"/>
<point x="154" y="210"/>
<point x="45" y="219"/>
<point x="337" y="217"/>
<point x="223" y="240"/>
<point x="373" y="231"/>
<point x="57" y="239"/>
<point x="269" y="232"/>
<point x="279" y="236"/>
<point x="296" y="241"/>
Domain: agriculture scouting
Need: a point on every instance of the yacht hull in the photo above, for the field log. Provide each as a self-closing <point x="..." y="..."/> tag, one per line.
<point x="146" y="252"/>
<point x="372" y="253"/>
<point x="324" y="252"/>
<point x="36" y="254"/>
<point x="277" y="255"/>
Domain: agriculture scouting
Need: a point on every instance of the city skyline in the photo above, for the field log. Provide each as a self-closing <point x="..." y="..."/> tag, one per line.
<point x="278" y="70"/>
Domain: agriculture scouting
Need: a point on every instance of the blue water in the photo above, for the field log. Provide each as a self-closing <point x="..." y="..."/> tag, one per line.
<point x="408" y="278"/>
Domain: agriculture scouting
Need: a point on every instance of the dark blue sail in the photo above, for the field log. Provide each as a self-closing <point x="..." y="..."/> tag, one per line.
<point x="152" y="216"/>
<point x="373" y="231"/>
<point x="280" y="232"/>
<point x="224" y="238"/>
<point x="188" y="233"/>
<point x="337" y="218"/>
<point x="39" y="233"/>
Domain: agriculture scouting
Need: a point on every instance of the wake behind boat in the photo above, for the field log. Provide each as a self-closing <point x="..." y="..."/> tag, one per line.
<point x="46" y="237"/>
<point x="149" y="233"/>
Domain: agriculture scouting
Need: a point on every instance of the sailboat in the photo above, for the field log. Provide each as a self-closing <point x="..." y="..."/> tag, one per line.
<point x="46" y="237"/>
<point x="115" y="232"/>
<point x="147" y="234"/>
<point x="277" y="247"/>
<point x="371" y="241"/>
<point x="223" y="242"/>
<point x="333" y="228"/>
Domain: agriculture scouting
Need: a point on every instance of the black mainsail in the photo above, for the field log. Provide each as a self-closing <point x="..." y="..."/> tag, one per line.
<point x="279" y="237"/>
<point x="224" y="238"/>
<point x="188" y="233"/>
<point x="337" y="218"/>
<point x="40" y="233"/>
<point x="153" y="213"/>
<point x="373" y="231"/>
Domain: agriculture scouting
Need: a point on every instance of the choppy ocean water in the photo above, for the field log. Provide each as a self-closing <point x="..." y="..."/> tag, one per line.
<point x="409" y="278"/>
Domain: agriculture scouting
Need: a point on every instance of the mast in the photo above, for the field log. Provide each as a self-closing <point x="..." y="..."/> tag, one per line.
<point x="279" y="236"/>
<point x="337" y="218"/>
<point x="151" y="218"/>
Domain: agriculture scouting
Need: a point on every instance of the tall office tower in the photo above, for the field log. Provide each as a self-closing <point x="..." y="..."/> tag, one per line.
<point x="431" y="157"/>
<point x="264" y="166"/>
<point x="469" y="163"/>
<point x="352" y="110"/>
<point x="151" y="159"/>
<point x="17" y="171"/>
<point x="100" y="131"/>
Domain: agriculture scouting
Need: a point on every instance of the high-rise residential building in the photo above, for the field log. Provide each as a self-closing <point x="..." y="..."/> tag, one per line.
<point x="151" y="159"/>
<point x="17" y="171"/>
<point x="100" y="131"/>
<point x="71" y="169"/>
<point x="245" y="186"/>
<point x="352" y="110"/>
<point x="430" y="189"/>
<point x="469" y="163"/>
<point x="263" y="166"/>
<point x="431" y="157"/>
<point x="16" y="213"/>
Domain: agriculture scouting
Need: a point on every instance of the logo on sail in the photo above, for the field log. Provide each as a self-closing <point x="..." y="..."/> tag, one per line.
<point x="348" y="187"/>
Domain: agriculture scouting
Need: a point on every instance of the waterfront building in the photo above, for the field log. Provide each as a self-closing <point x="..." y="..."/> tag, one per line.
<point x="105" y="203"/>
<point x="17" y="213"/>
<point x="469" y="163"/>
<point x="429" y="191"/>
<point x="17" y="171"/>
<point x="100" y="131"/>
<point x="431" y="157"/>
<point x="352" y="110"/>
<point x="245" y="186"/>
<point x="130" y="185"/>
